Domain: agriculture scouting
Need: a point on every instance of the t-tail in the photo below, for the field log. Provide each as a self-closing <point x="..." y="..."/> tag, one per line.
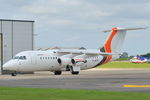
<point x="115" y="42"/>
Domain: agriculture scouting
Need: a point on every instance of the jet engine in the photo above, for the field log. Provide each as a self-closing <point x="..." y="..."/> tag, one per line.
<point x="78" y="61"/>
<point x="64" y="61"/>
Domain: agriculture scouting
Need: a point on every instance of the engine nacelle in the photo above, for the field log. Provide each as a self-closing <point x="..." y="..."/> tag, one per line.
<point x="78" y="61"/>
<point x="64" y="61"/>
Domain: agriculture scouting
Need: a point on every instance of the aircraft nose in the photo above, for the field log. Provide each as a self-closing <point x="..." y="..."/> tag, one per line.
<point x="8" y="66"/>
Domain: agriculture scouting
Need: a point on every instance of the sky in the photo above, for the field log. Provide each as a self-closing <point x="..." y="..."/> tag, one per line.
<point x="80" y="23"/>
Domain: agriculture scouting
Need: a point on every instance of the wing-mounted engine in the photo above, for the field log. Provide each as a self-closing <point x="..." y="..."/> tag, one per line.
<point x="65" y="59"/>
<point x="79" y="60"/>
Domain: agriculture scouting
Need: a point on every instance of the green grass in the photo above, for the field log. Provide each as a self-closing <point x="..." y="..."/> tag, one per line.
<point x="124" y="65"/>
<point x="123" y="59"/>
<point x="11" y="93"/>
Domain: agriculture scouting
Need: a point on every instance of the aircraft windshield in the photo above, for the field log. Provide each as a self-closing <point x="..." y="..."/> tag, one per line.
<point x="20" y="57"/>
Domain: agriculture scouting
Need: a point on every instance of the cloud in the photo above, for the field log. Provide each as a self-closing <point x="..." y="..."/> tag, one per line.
<point x="72" y="39"/>
<point x="80" y="20"/>
<point x="50" y="6"/>
<point x="60" y="22"/>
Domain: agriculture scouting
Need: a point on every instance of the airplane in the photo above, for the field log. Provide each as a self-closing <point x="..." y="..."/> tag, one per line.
<point x="140" y="59"/>
<point x="73" y="60"/>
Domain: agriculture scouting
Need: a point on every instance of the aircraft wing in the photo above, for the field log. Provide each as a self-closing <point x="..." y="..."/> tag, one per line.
<point x="87" y="52"/>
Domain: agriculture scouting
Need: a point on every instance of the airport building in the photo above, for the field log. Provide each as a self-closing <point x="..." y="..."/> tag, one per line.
<point x="15" y="36"/>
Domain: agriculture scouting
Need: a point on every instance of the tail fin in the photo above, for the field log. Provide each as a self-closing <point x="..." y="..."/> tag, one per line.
<point x="115" y="41"/>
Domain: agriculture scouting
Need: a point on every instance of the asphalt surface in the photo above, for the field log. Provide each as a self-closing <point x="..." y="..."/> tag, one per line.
<point x="96" y="79"/>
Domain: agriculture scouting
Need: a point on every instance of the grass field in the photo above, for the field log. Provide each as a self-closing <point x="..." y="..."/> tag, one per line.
<point x="125" y="65"/>
<point x="10" y="93"/>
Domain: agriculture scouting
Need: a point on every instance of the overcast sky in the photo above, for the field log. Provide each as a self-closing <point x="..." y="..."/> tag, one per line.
<point x="76" y="23"/>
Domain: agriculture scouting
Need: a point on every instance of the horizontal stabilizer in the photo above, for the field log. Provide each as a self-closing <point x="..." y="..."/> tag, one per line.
<point x="109" y="54"/>
<point x="126" y="29"/>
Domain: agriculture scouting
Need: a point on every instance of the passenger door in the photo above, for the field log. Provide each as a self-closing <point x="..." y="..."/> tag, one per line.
<point x="33" y="58"/>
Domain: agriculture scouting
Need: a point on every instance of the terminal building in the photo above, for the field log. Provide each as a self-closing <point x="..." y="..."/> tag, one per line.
<point x="15" y="36"/>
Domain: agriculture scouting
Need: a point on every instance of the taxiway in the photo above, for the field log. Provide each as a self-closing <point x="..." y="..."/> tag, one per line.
<point x="95" y="79"/>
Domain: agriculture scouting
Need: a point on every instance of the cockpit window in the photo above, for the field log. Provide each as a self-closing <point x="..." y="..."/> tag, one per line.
<point x="20" y="57"/>
<point x="24" y="57"/>
<point x="17" y="57"/>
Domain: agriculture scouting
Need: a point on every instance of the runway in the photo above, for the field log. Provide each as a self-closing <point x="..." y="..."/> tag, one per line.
<point x="95" y="79"/>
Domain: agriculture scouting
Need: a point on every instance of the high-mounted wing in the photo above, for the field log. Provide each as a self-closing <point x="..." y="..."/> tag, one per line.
<point x="87" y="52"/>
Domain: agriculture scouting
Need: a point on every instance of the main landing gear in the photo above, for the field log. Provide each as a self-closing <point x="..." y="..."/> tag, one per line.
<point x="73" y="72"/>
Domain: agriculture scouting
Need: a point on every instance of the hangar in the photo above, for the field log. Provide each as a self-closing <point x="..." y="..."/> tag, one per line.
<point x="15" y="36"/>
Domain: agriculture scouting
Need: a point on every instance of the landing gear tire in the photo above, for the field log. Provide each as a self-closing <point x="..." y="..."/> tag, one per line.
<point x="57" y="72"/>
<point x="13" y="74"/>
<point x="74" y="73"/>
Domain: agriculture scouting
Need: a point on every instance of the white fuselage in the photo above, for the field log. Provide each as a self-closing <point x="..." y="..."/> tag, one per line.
<point x="46" y="61"/>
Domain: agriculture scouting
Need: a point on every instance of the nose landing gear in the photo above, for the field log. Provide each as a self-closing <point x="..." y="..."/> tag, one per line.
<point x="13" y="74"/>
<point x="57" y="72"/>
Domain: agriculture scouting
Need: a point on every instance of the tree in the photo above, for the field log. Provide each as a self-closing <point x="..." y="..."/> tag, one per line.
<point x="124" y="55"/>
<point x="146" y="55"/>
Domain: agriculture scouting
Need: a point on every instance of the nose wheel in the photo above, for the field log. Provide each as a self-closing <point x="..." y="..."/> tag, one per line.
<point x="57" y="72"/>
<point x="13" y="74"/>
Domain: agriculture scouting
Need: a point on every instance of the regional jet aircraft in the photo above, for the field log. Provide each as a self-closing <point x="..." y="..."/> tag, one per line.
<point x="140" y="59"/>
<point x="72" y="60"/>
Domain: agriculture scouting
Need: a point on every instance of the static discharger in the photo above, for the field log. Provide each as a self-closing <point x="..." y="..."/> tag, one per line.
<point x="140" y="86"/>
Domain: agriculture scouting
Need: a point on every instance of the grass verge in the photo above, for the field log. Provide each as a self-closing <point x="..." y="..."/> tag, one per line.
<point x="12" y="93"/>
<point x="124" y="65"/>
